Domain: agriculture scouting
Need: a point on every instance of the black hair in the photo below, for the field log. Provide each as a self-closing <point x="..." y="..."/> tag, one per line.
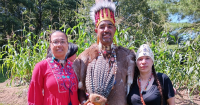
<point x="49" y="53"/>
<point x="137" y="73"/>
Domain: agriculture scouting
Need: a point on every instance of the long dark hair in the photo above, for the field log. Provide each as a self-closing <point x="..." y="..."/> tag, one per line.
<point x="137" y="73"/>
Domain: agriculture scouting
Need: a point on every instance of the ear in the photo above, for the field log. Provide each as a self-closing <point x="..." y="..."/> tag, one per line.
<point x="96" y="30"/>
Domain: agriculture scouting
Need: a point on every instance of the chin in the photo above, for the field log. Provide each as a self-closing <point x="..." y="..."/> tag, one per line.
<point x="107" y="42"/>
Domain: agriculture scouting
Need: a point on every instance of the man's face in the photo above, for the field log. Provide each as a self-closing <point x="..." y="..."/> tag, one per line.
<point x="105" y="32"/>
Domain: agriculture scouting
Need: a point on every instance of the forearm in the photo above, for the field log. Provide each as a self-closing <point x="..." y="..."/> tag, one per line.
<point x="171" y="101"/>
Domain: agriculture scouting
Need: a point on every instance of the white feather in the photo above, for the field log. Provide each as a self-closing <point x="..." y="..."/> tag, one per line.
<point x="99" y="6"/>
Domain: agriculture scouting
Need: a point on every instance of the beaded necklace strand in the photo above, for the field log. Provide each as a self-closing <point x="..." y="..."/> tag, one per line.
<point x="139" y="83"/>
<point x="139" y="78"/>
<point x="112" y="58"/>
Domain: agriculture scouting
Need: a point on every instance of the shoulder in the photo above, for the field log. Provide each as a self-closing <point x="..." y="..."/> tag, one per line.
<point x="126" y="52"/>
<point x="164" y="79"/>
<point x="162" y="75"/>
<point x="41" y="65"/>
<point x="40" y="69"/>
<point x="89" y="53"/>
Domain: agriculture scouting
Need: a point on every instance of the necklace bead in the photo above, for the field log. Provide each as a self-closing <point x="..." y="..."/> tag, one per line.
<point x="139" y="80"/>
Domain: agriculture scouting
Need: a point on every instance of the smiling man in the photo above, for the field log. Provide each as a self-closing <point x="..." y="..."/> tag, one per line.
<point x="105" y="70"/>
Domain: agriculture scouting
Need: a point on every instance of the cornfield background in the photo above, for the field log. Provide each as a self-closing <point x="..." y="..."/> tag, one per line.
<point x="180" y="62"/>
<point x="26" y="25"/>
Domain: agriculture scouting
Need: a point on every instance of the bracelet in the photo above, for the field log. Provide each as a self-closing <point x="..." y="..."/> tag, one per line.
<point x="82" y="103"/>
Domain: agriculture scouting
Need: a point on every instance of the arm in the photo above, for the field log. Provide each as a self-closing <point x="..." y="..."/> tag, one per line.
<point x="171" y="101"/>
<point x="35" y="95"/>
<point x="169" y="91"/>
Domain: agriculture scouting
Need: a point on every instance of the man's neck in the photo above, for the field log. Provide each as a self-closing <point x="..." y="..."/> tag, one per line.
<point x="107" y="48"/>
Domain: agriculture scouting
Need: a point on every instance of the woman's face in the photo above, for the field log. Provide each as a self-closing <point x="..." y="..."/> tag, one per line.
<point x="59" y="45"/>
<point x="144" y="64"/>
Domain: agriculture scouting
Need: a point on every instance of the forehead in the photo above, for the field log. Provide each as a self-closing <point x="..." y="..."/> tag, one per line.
<point x="105" y="22"/>
<point x="58" y="35"/>
<point x="143" y="57"/>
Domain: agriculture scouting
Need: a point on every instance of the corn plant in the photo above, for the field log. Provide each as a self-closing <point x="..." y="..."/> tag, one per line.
<point x="181" y="64"/>
<point x="22" y="55"/>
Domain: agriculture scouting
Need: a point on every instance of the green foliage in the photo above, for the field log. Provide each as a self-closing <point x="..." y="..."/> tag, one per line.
<point x="83" y="38"/>
<point x="181" y="63"/>
<point x="137" y="22"/>
<point x="181" y="10"/>
<point x="22" y="55"/>
<point x="137" y="15"/>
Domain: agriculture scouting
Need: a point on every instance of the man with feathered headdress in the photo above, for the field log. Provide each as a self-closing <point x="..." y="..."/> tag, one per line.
<point x="105" y="70"/>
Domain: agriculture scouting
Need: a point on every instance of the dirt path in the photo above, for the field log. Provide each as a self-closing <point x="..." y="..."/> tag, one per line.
<point x="12" y="95"/>
<point x="18" y="96"/>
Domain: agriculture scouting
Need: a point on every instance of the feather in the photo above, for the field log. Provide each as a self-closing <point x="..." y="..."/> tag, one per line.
<point x="100" y="78"/>
<point x="89" y="75"/>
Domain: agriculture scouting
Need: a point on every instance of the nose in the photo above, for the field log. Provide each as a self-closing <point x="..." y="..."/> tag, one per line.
<point x="106" y="29"/>
<point x="143" y="61"/>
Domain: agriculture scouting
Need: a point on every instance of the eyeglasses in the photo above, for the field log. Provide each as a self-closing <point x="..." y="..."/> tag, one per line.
<point x="56" y="42"/>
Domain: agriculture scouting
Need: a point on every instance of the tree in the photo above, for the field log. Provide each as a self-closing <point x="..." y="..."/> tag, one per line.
<point x="21" y="16"/>
<point x="143" y="21"/>
<point x="183" y="9"/>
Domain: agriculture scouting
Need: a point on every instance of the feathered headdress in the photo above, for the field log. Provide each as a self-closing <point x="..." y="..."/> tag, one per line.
<point x="103" y="10"/>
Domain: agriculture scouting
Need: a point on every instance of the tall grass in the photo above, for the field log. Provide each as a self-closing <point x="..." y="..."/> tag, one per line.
<point x="181" y="63"/>
<point x="22" y="54"/>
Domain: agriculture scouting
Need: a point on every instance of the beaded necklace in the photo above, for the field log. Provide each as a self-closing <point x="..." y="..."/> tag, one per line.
<point x="112" y="58"/>
<point x="139" y="83"/>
